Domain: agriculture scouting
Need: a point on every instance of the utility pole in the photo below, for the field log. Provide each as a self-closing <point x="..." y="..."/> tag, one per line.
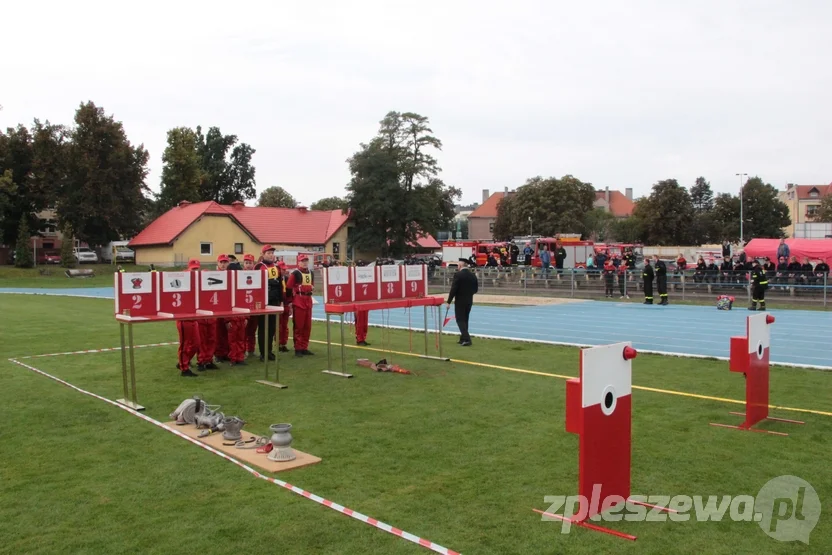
<point x="741" y="175"/>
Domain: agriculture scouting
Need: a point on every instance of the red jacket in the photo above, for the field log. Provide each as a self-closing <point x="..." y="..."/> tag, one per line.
<point x="302" y="285"/>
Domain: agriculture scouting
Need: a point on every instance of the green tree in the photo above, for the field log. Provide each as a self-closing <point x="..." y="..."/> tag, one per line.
<point x="554" y="206"/>
<point x="8" y="194"/>
<point x="726" y="218"/>
<point x="503" y="226"/>
<point x="16" y="156"/>
<point x="67" y="251"/>
<point x="276" y="197"/>
<point x="599" y="225"/>
<point x="666" y="214"/>
<point x="701" y="196"/>
<point x="764" y="214"/>
<point x="181" y="171"/>
<point x="395" y="186"/>
<point x="22" y="247"/>
<point x="628" y="230"/>
<point x="330" y="203"/>
<point x="103" y="195"/>
<point x="224" y="179"/>
<point x="825" y="211"/>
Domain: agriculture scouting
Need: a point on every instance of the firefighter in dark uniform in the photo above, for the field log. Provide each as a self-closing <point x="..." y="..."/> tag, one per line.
<point x="275" y="284"/>
<point x="661" y="279"/>
<point x="647" y="276"/>
<point x="463" y="289"/>
<point x="759" y="284"/>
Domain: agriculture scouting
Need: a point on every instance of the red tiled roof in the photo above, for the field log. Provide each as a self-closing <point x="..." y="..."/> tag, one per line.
<point x="266" y="225"/>
<point x="620" y="205"/>
<point x="488" y="209"/>
<point x="428" y="242"/>
<point x="804" y="190"/>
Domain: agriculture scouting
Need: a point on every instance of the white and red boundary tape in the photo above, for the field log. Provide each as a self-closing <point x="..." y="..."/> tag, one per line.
<point x="294" y="489"/>
<point x="107" y="350"/>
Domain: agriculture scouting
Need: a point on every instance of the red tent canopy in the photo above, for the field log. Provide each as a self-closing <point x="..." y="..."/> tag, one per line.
<point x="815" y="249"/>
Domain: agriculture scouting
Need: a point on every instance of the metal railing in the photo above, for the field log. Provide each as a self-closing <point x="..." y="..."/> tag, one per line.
<point x="580" y="283"/>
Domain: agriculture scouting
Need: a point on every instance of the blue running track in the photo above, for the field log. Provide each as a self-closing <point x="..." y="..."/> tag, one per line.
<point x="798" y="337"/>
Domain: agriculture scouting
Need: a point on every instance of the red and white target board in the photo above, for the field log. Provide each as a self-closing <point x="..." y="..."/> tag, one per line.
<point x="750" y="357"/>
<point x="599" y="409"/>
<point x="391" y="282"/>
<point x="366" y="284"/>
<point x="338" y="285"/>
<point x="214" y="291"/>
<point x="600" y="412"/>
<point x="177" y="293"/>
<point x="135" y="294"/>
<point x="415" y="281"/>
<point x="250" y="290"/>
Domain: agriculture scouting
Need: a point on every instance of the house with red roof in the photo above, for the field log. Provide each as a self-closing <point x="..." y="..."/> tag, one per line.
<point x="618" y="204"/>
<point x="204" y="230"/>
<point x="803" y="202"/>
<point x="481" y="220"/>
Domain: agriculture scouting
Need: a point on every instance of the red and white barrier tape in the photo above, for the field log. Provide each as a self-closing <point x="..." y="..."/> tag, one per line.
<point x="107" y="350"/>
<point x="320" y="500"/>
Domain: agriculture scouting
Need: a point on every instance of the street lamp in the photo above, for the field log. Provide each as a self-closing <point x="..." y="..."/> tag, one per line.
<point x="741" y="175"/>
<point x="530" y="226"/>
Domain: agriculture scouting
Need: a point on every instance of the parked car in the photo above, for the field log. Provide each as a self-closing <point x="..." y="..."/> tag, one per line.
<point x="49" y="258"/>
<point x="84" y="255"/>
<point x="119" y="250"/>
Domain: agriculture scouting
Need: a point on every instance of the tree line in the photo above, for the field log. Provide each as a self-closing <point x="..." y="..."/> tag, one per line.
<point x="95" y="178"/>
<point x="670" y="215"/>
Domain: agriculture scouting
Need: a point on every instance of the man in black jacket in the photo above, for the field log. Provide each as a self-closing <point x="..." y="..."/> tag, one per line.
<point x="647" y="276"/>
<point x="463" y="289"/>
<point x="661" y="279"/>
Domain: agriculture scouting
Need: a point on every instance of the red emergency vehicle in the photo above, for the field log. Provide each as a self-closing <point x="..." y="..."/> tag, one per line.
<point x="452" y="251"/>
<point x="484" y="249"/>
<point x="577" y="250"/>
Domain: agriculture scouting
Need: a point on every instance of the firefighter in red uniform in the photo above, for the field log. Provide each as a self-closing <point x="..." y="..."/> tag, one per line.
<point x="251" y="326"/>
<point x="237" y="333"/>
<point x="188" y="337"/>
<point x="287" y="309"/>
<point x="208" y="332"/>
<point x="275" y="281"/>
<point x="302" y="285"/>
<point x="362" y="322"/>
<point x="221" y="351"/>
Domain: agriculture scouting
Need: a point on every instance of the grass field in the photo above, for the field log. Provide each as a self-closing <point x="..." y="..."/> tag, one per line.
<point x="458" y="454"/>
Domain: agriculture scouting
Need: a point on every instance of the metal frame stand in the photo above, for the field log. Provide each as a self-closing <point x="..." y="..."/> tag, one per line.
<point x="268" y="341"/>
<point x="329" y="369"/>
<point x="439" y="336"/>
<point x="128" y="393"/>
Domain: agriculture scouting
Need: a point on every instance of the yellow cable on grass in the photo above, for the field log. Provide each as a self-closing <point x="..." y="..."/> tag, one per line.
<point x="548" y="375"/>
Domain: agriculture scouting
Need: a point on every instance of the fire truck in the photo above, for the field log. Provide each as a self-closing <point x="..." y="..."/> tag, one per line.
<point x="577" y="250"/>
<point x="484" y="249"/>
<point x="620" y="248"/>
<point x="452" y="251"/>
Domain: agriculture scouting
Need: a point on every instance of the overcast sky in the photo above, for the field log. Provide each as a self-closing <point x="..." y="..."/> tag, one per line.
<point x="620" y="94"/>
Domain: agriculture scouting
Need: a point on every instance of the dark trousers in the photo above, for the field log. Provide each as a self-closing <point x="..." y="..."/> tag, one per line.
<point x="758" y="294"/>
<point x="661" y="284"/>
<point x="621" y="279"/>
<point x="462" y="311"/>
<point x="261" y="332"/>
<point x="648" y="290"/>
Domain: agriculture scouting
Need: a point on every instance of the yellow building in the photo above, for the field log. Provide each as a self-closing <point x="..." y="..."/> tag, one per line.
<point x="205" y="230"/>
<point x="803" y="202"/>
